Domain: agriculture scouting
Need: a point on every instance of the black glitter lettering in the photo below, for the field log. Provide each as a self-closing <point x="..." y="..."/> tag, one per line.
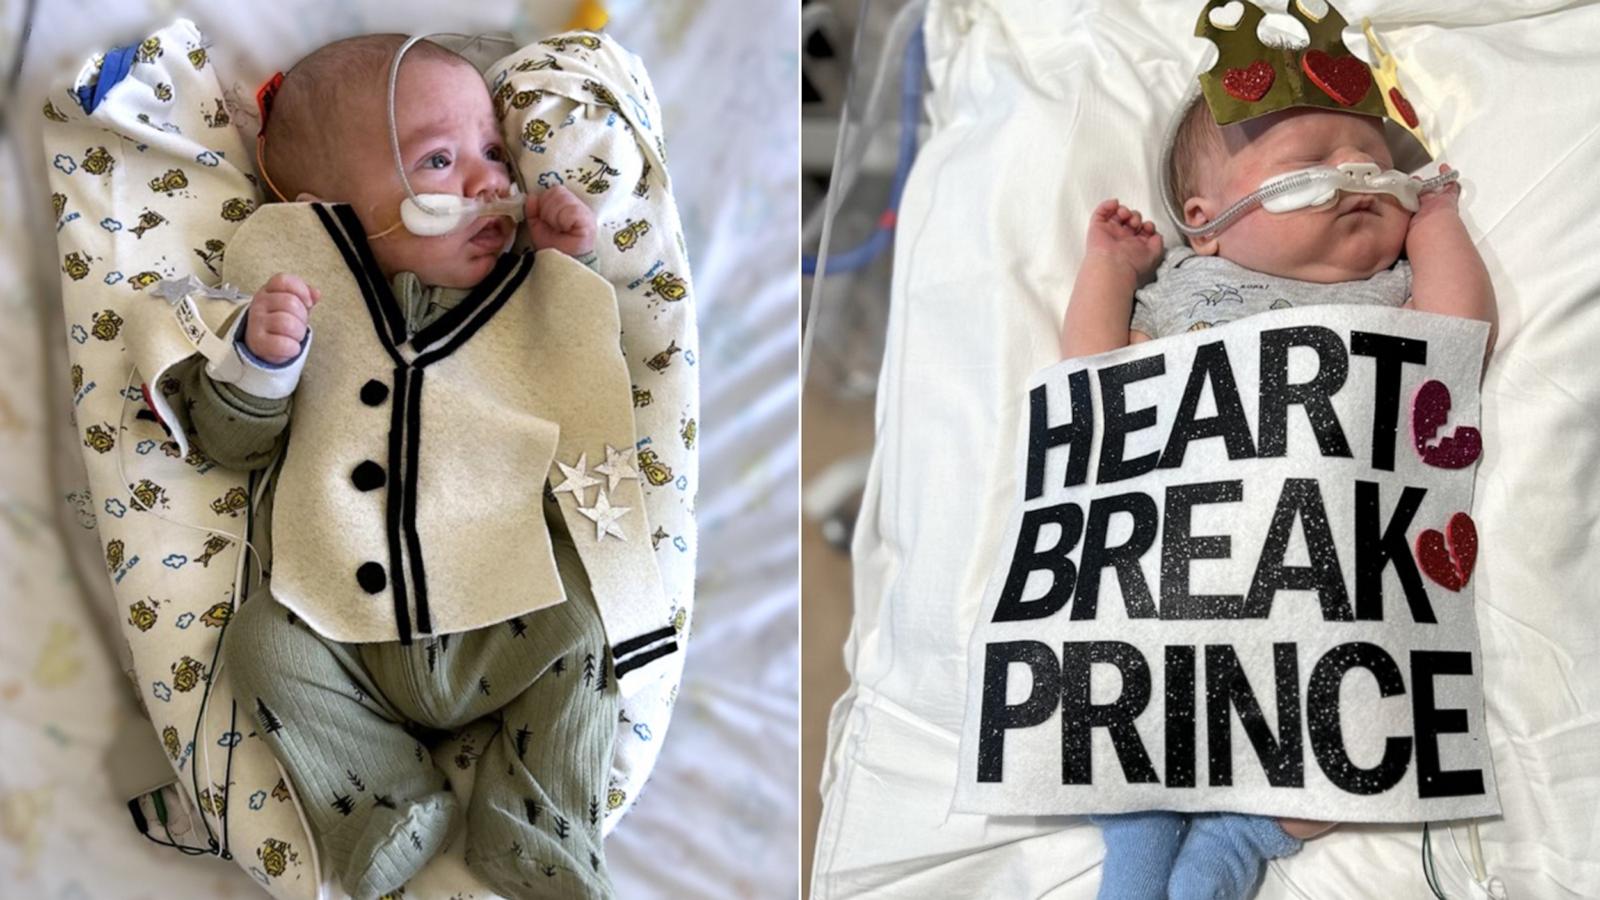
<point x="1179" y="548"/>
<point x="1302" y="499"/>
<point x="1079" y="717"/>
<point x="1389" y="353"/>
<point x="1227" y="689"/>
<point x="1120" y="423"/>
<point x="1125" y="558"/>
<point x="1314" y="396"/>
<point x="1327" y="732"/>
<point x="1432" y="721"/>
<point x="997" y="716"/>
<point x="1210" y="364"/>
<point x="1075" y="434"/>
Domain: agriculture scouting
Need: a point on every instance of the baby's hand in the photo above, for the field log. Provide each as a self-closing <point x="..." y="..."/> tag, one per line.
<point x="558" y="220"/>
<point x="1120" y="234"/>
<point x="279" y="314"/>
<point x="1445" y="201"/>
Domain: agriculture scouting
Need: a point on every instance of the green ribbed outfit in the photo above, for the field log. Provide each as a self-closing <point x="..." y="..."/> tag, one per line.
<point x="348" y="721"/>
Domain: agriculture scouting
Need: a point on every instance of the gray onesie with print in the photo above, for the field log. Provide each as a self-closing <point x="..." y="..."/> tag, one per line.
<point x="1191" y="292"/>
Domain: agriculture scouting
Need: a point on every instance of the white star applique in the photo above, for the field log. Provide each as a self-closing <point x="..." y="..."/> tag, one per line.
<point x="174" y="289"/>
<point x="578" y="478"/>
<point x="225" y="291"/>
<point x="605" y="517"/>
<point x="618" y="465"/>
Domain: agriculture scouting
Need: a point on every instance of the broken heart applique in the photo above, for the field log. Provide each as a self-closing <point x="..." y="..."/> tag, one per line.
<point x="1430" y="407"/>
<point x="1344" y="78"/>
<point x="1450" y="568"/>
<point x="1250" y="83"/>
<point x="1404" y="106"/>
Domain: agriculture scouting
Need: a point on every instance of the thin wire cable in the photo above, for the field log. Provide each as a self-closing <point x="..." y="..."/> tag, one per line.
<point x="202" y="754"/>
<point x="1429" y="870"/>
<point x="882" y="237"/>
<point x="238" y="577"/>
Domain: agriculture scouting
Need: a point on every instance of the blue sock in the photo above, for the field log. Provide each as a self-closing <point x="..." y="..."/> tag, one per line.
<point x="1222" y="855"/>
<point x="1139" y="851"/>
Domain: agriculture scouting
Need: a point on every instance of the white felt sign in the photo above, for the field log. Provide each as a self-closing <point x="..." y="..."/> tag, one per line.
<point x="1240" y="578"/>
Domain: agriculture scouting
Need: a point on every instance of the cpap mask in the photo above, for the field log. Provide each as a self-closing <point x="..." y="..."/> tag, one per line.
<point x="1313" y="188"/>
<point x="433" y="215"/>
<point x="1319" y="187"/>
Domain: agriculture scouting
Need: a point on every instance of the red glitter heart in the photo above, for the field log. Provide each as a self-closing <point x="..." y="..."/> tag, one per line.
<point x="1451" y="568"/>
<point x="1249" y="84"/>
<point x="1344" y="78"/>
<point x="1429" y="409"/>
<point x="1404" y="106"/>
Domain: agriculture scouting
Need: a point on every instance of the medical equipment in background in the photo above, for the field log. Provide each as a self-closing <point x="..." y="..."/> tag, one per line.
<point x="872" y="130"/>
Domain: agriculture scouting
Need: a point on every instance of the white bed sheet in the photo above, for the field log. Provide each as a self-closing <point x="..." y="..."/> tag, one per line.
<point x="1042" y="108"/>
<point x="719" y="816"/>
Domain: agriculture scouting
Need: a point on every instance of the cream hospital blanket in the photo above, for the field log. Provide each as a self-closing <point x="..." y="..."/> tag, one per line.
<point x="150" y="186"/>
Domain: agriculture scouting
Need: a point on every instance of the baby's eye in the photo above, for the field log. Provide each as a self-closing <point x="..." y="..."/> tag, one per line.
<point x="497" y="154"/>
<point x="436" y="161"/>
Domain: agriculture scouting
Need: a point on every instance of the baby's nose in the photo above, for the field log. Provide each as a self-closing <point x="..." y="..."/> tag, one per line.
<point x="489" y="182"/>
<point x="1352" y="155"/>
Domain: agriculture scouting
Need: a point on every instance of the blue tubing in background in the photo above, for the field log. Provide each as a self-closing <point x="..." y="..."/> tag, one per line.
<point x="859" y="256"/>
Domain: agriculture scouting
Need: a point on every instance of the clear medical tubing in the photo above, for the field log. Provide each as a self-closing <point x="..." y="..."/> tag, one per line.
<point x="1284" y="185"/>
<point x="457" y="212"/>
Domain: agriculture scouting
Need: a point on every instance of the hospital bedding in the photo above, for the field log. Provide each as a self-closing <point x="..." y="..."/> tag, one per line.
<point x="735" y="837"/>
<point x="1041" y="109"/>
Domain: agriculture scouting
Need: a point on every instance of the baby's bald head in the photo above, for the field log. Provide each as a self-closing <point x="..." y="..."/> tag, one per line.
<point x="329" y="113"/>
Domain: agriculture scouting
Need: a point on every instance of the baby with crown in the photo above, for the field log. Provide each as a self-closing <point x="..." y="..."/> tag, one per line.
<point x="1280" y="176"/>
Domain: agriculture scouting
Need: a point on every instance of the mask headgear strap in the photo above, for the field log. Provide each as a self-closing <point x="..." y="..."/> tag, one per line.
<point x="394" y="130"/>
<point x="1172" y="204"/>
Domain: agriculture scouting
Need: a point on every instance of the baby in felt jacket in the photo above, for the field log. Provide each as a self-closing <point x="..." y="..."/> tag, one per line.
<point x="1346" y="252"/>
<point x="424" y="573"/>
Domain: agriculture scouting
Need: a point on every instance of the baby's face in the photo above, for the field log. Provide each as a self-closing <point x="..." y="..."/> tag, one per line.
<point x="449" y="144"/>
<point x="1356" y="237"/>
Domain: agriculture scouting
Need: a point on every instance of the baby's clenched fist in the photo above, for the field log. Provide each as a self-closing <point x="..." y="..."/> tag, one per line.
<point x="558" y="220"/>
<point x="279" y="317"/>
<point x="1121" y="234"/>
<point x="1445" y="201"/>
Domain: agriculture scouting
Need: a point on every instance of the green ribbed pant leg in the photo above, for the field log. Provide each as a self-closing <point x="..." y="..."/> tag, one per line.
<point x="533" y="824"/>
<point x="375" y="801"/>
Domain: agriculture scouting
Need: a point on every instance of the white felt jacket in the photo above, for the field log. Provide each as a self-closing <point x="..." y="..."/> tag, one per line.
<point x="411" y="499"/>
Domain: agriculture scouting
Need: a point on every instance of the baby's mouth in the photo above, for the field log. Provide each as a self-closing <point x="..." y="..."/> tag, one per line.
<point x="491" y="234"/>
<point x="1360" y="203"/>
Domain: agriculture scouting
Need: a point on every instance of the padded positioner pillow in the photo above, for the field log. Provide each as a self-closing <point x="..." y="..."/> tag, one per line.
<point x="149" y="179"/>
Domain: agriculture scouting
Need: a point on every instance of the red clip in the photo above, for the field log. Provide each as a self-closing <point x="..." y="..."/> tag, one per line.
<point x="264" y="97"/>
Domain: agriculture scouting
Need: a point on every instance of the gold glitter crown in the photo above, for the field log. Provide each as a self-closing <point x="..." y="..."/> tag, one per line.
<point x="1253" y="78"/>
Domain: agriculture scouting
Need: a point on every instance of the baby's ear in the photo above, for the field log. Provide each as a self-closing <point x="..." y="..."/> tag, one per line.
<point x="1198" y="211"/>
